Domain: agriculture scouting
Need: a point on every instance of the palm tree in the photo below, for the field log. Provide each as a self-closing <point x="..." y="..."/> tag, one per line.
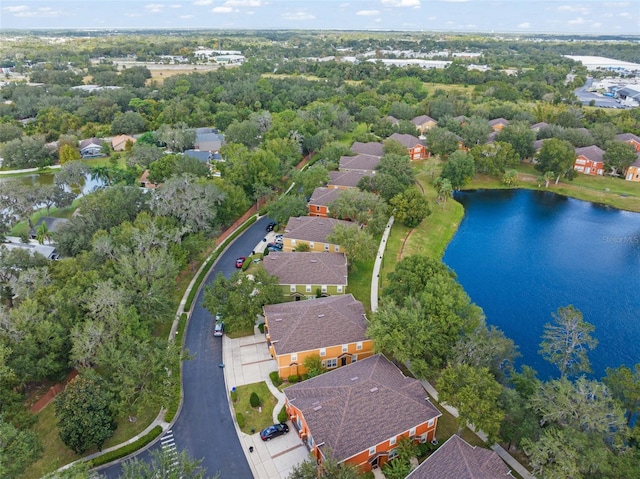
<point x="42" y="233"/>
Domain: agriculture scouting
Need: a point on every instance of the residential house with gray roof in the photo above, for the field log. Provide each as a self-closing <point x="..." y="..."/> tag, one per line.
<point x="333" y="328"/>
<point x="312" y="231"/>
<point x="305" y="274"/>
<point x="360" y="412"/>
<point x="457" y="459"/>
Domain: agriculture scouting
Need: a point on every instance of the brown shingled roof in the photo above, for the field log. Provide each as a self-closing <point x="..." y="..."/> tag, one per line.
<point x="593" y="153"/>
<point x="316" y="323"/>
<point x="628" y="137"/>
<point x="307" y="268"/>
<point x="312" y="228"/>
<point x="422" y="119"/>
<point x="370" y="148"/>
<point x="322" y="196"/>
<point x="360" y="405"/>
<point x="408" y="141"/>
<point x="457" y="459"/>
<point x="359" y="162"/>
<point x="349" y="178"/>
<point x="498" y="121"/>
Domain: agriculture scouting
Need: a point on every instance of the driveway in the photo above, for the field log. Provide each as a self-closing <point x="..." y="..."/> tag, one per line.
<point x="205" y="428"/>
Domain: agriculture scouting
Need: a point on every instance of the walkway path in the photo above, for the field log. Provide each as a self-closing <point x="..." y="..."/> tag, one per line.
<point x="375" y="280"/>
<point x="375" y="276"/>
<point x="506" y="457"/>
<point x="29" y="170"/>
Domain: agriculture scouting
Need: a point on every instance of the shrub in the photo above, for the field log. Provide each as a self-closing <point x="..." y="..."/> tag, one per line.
<point x="254" y="400"/>
<point x="247" y="263"/>
<point x="282" y="415"/>
<point x="293" y="378"/>
<point x="302" y="248"/>
<point x="240" y="419"/>
<point x="126" y="450"/>
<point x="275" y="378"/>
<point x="234" y="395"/>
<point x="265" y="253"/>
<point x="261" y="327"/>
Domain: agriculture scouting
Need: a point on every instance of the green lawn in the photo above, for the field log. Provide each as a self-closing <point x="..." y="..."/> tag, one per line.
<point x="360" y="282"/>
<point x="254" y="418"/>
<point x="606" y="190"/>
<point x="56" y="454"/>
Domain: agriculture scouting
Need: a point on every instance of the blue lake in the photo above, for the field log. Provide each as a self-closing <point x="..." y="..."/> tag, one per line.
<point x="521" y="254"/>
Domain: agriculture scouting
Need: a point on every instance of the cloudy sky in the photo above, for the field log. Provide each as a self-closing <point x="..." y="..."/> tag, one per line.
<point x="533" y="16"/>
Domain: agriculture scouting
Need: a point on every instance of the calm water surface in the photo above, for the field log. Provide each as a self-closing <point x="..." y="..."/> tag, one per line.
<point x="522" y="254"/>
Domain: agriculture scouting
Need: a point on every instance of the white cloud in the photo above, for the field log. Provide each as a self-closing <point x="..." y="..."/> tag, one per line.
<point x="186" y="17"/>
<point x="298" y="15"/>
<point x="624" y="14"/>
<point x="574" y="9"/>
<point x="203" y="2"/>
<point x="243" y="3"/>
<point x="401" y="3"/>
<point x="176" y="5"/>
<point x="343" y="5"/>
<point x="616" y="4"/>
<point x="368" y="13"/>
<point x="222" y="10"/>
<point x="132" y="15"/>
<point x="154" y="7"/>
<point x="596" y="24"/>
<point x="16" y="9"/>
<point x="577" y="21"/>
<point x="524" y="25"/>
<point x="43" y="12"/>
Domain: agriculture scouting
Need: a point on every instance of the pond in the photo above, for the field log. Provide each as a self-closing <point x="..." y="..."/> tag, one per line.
<point x="521" y="255"/>
<point x="87" y="186"/>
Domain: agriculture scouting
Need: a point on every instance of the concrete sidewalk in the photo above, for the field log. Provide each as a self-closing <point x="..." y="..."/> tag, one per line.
<point x="506" y="457"/>
<point x="247" y="360"/>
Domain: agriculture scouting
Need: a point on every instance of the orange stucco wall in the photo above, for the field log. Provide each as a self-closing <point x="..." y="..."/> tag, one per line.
<point x="287" y="366"/>
<point x="423" y="432"/>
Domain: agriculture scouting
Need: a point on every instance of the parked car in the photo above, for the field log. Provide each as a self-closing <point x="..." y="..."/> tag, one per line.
<point x="240" y="261"/>
<point x="276" y="430"/>
<point x="274" y="247"/>
<point x="218" y="329"/>
<point x="271" y="226"/>
<point x="279" y="237"/>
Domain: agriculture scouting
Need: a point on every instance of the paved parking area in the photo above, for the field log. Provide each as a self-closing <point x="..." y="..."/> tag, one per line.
<point x="247" y="360"/>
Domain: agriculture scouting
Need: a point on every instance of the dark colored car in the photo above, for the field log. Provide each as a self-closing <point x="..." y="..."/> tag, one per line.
<point x="240" y="261"/>
<point x="276" y="430"/>
<point x="271" y="225"/>
<point x="274" y="247"/>
<point x="218" y="329"/>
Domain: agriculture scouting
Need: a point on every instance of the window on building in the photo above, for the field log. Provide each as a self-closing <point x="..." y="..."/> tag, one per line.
<point x="339" y="288"/>
<point x="292" y="288"/>
<point x="345" y="348"/>
<point x="372" y="451"/>
<point x="293" y="242"/>
<point x="412" y="431"/>
<point x="294" y="357"/>
<point x="323" y="352"/>
<point x="332" y="363"/>
<point x="359" y="345"/>
<point x="392" y="441"/>
<point x="312" y="244"/>
<point x="324" y="288"/>
<point x="336" y="248"/>
<point x="326" y="246"/>
<point x="431" y="421"/>
<point x="308" y="288"/>
<point x="393" y="453"/>
<point x="354" y="358"/>
<point x="317" y="208"/>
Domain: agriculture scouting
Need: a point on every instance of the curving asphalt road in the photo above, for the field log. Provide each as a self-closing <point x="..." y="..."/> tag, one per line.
<point x="205" y="428"/>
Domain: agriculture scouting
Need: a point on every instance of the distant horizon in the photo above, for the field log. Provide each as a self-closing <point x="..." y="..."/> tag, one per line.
<point x="512" y="17"/>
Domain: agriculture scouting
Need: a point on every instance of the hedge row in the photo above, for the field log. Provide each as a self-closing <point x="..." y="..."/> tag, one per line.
<point x="213" y="257"/>
<point x="126" y="450"/>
